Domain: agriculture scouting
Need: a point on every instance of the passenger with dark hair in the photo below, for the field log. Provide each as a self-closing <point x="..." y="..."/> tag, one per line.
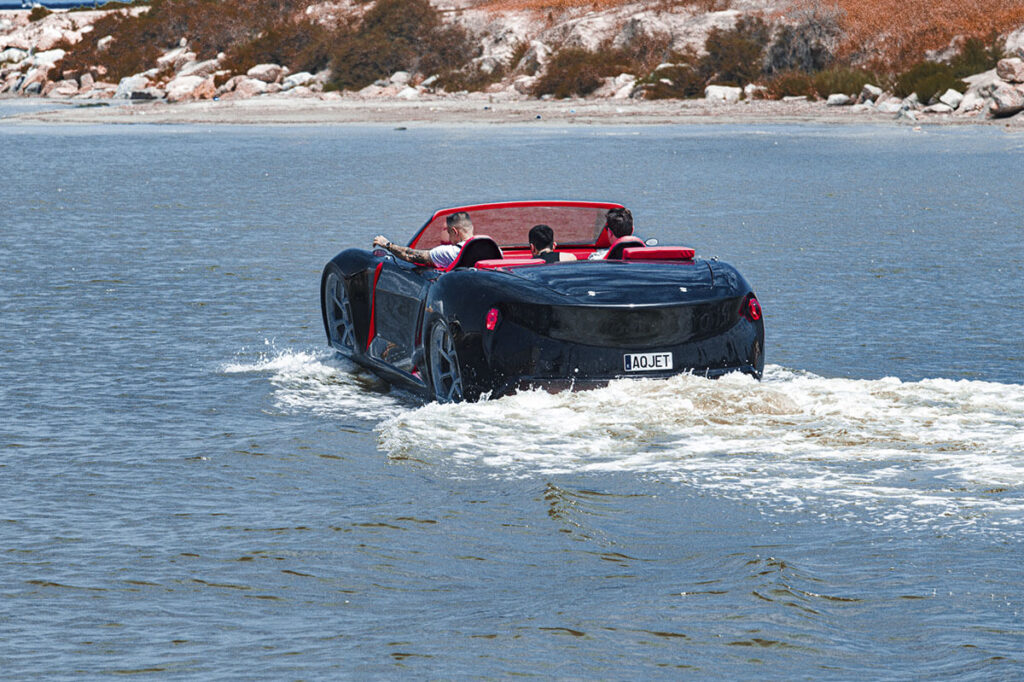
<point x="619" y="223"/>
<point x="458" y="229"/>
<point x="542" y="245"/>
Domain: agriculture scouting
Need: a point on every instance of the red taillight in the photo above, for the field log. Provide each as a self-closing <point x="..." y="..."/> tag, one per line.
<point x="753" y="311"/>
<point x="492" y="319"/>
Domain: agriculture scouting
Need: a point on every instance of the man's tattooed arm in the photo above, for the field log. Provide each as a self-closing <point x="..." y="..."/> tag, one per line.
<point x="412" y="255"/>
<point x="417" y="256"/>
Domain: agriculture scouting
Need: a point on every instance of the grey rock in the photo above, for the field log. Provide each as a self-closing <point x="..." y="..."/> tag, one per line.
<point x="939" y="108"/>
<point x="1006" y="100"/>
<point x="951" y="98"/>
<point x="130" y="84"/>
<point x="870" y="93"/>
<point x="838" y="100"/>
<point x="204" y="68"/>
<point x="297" y="79"/>
<point x="268" y="73"/>
<point x="1011" y="70"/>
<point x="722" y="93"/>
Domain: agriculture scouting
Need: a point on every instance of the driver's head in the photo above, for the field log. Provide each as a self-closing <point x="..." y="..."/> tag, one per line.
<point x="541" y="237"/>
<point x="619" y="221"/>
<point x="459" y="227"/>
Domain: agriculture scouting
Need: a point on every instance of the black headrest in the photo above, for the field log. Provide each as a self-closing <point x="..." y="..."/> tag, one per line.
<point x="476" y="249"/>
<point x="622" y="243"/>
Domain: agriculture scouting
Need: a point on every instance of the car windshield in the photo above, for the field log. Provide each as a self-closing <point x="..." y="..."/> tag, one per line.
<point x="575" y="223"/>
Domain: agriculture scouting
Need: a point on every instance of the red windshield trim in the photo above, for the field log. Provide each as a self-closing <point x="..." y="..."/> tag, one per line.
<point x="606" y="205"/>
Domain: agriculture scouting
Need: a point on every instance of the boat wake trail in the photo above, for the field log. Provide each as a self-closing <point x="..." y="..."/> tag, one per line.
<point x="881" y="451"/>
<point x="887" y="452"/>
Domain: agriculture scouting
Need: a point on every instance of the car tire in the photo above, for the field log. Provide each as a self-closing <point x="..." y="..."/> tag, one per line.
<point x="445" y="368"/>
<point x="341" y="329"/>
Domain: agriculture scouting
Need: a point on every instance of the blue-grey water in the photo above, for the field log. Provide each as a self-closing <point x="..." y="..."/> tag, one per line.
<point x="193" y="486"/>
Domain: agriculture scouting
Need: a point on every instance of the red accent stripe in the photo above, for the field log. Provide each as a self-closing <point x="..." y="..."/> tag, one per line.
<point x="373" y="307"/>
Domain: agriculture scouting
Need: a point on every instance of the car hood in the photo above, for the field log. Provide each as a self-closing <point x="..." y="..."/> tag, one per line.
<point x="625" y="282"/>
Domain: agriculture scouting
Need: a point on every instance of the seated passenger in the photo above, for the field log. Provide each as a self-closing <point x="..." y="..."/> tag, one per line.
<point x="619" y="223"/>
<point x="459" y="228"/>
<point x="542" y="245"/>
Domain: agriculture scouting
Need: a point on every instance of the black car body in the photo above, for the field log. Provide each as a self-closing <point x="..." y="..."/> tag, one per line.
<point x="500" y="320"/>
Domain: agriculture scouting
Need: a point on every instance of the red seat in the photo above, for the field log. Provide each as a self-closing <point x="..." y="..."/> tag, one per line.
<point x="658" y="253"/>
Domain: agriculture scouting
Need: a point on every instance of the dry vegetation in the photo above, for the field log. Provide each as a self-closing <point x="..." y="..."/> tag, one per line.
<point x="563" y="5"/>
<point x="887" y="34"/>
<point x="811" y="47"/>
<point x="896" y="33"/>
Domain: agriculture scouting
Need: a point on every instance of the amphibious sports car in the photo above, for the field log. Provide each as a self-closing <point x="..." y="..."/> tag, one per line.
<point x="498" y="320"/>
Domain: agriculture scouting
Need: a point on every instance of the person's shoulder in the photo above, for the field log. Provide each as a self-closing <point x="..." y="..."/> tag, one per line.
<point x="444" y="255"/>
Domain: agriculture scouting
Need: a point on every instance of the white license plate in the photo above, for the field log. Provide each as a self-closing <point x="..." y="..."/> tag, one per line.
<point x="647" y="362"/>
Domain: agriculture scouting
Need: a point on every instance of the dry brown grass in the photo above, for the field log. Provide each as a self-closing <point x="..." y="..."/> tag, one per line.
<point x="563" y="5"/>
<point x="895" y="33"/>
<point x="878" y="33"/>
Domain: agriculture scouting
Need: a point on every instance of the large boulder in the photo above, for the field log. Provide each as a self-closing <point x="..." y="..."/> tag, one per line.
<point x="12" y="55"/>
<point x="249" y="87"/>
<point x="204" y="68"/>
<point x="268" y="73"/>
<point x="971" y="103"/>
<point x="722" y="93"/>
<point x="1015" y="43"/>
<point x="838" y="99"/>
<point x="951" y="98"/>
<point x="64" y="88"/>
<point x="1006" y="99"/>
<point x="1011" y="70"/>
<point x="130" y="84"/>
<point x="186" y="88"/>
<point x="306" y="78"/>
<point x="938" y="108"/>
<point x="169" y="58"/>
<point x="48" y="57"/>
<point x="869" y="93"/>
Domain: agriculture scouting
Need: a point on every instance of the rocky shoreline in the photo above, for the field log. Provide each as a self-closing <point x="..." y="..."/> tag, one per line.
<point x="182" y="89"/>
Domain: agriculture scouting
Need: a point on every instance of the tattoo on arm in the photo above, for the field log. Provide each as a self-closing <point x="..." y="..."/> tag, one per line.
<point x="417" y="256"/>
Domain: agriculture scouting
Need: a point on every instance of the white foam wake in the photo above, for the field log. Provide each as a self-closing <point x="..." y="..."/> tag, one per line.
<point x="884" y="450"/>
<point x="323" y="383"/>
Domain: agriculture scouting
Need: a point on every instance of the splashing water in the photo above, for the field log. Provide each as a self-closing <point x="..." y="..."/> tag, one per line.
<point x="875" y="451"/>
<point x="324" y="384"/>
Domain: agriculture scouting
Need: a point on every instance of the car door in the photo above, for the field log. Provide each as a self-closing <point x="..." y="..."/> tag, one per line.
<point x="397" y="308"/>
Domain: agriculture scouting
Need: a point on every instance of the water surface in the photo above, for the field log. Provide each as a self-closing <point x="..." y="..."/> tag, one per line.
<point x="192" y="485"/>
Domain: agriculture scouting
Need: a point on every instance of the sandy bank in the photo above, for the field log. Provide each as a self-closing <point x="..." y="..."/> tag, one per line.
<point x="480" y="110"/>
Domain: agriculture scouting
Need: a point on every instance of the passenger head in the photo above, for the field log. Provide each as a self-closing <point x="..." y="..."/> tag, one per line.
<point x="541" y="237"/>
<point x="619" y="221"/>
<point x="459" y="227"/>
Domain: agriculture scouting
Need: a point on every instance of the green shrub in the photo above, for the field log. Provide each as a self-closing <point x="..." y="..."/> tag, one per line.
<point x="209" y="26"/>
<point x="928" y="80"/>
<point x="398" y="35"/>
<point x="301" y="45"/>
<point x="735" y="56"/>
<point x="845" y="80"/>
<point x="791" y="84"/>
<point x="975" y="56"/>
<point x="679" y="81"/>
<point x="576" y="71"/>
<point x="38" y="12"/>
